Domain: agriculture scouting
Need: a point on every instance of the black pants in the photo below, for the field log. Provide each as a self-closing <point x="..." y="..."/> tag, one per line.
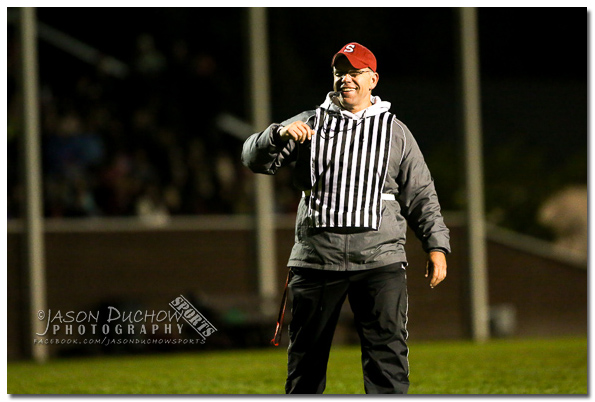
<point x="378" y="299"/>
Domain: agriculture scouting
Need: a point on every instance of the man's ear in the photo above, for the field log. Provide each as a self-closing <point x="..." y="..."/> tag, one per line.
<point x="374" y="80"/>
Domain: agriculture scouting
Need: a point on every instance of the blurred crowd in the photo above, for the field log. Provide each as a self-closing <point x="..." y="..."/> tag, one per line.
<point x="146" y="144"/>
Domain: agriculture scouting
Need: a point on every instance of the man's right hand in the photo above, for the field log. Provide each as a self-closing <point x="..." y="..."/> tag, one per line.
<point x="297" y="131"/>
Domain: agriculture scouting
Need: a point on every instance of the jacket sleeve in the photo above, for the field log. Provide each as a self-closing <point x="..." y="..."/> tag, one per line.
<point x="266" y="152"/>
<point x="418" y="198"/>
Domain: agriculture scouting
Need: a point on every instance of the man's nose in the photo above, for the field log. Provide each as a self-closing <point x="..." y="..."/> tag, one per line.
<point x="346" y="78"/>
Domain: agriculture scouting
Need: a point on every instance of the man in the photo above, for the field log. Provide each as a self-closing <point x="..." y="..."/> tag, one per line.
<point x="363" y="179"/>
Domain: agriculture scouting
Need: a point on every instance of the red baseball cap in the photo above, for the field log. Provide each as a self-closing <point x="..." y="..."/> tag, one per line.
<point x="358" y="55"/>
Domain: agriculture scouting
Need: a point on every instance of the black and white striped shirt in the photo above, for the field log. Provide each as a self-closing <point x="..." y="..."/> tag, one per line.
<point x="349" y="162"/>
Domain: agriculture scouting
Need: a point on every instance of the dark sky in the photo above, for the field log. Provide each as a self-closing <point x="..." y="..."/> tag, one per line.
<point x="515" y="42"/>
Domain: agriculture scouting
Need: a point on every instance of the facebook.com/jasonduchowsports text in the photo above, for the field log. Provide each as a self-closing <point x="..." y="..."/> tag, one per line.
<point x="105" y="341"/>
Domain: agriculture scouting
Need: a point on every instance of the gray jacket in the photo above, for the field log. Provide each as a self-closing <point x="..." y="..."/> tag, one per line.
<point x="344" y="249"/>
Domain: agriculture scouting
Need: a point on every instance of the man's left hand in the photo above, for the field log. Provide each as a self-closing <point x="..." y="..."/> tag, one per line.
<point x="436" y="268"/>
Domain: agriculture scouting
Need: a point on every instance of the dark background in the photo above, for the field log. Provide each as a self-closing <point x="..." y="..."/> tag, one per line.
<point x="113" y="145"/>
<point x="534" y="98"/>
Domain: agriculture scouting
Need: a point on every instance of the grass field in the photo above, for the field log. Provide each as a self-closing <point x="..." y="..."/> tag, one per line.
<point x="535" y="366"/>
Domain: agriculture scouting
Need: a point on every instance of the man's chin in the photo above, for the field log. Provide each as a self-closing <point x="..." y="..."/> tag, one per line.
<point x="346" y="103"/>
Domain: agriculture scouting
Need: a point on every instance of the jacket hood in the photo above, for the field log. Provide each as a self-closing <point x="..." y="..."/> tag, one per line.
<point x="331" y="104"/>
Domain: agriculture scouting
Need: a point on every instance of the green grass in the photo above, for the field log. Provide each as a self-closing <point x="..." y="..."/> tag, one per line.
<point x="533" y="366"/>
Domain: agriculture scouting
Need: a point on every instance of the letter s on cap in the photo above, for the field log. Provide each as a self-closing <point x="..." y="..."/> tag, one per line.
<point x="349" y="48"/>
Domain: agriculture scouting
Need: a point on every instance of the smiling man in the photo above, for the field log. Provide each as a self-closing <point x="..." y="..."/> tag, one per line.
<point x="354" y="85"/>
<point x="363" y="180"/>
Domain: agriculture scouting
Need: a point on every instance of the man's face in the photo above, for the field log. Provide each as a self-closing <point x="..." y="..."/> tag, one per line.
<point x="355" y="86"/>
